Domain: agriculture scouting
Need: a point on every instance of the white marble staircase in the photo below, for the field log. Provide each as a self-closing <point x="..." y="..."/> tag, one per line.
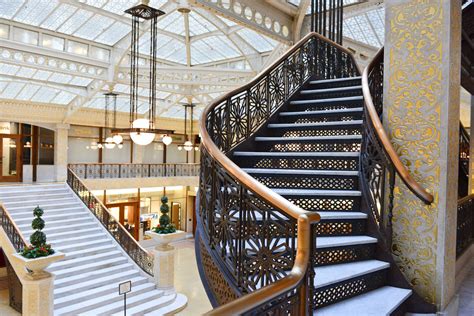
<point x="87" y="279"/>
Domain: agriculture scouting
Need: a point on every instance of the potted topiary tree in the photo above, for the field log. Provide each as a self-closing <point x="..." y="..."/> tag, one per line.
<point x="165" y="232"/>
<point x="39" y="255"/>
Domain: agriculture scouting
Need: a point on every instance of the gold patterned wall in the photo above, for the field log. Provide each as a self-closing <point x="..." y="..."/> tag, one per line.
<point x="415" y="103"/>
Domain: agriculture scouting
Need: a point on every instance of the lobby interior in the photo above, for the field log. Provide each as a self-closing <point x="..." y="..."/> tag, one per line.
<point x="237" y="157"/>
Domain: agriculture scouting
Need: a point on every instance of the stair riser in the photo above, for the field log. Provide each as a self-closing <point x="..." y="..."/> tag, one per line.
<point x="34" y="198"/>
<point x="130" y="305"/>
<point x="61" y="229"/>
<point x="301" y="146"/>
<point x="334" y="228"/>
<point x="55" y="267"/>
<point x="335" y="84"/>
<point x="71" y="247"/>
<point x="60" y="283"/>
<point x="346" y="254"/>
<point x="83" y="254"/>
<point x="314" y="118"/>
<point x="308" y="182"/>
<point x="25" y="190"/>
<point x="324" y="163"/>
<point x="320" y="95"/>
<point x="45" y="206"/>
<point x="326" y="203"/>
<point x="70" y="234"/>
<point x="60" y="275"/>
<point x="26" y="225"/>
<point x="75" y="300"/>
<point x="80" y="288"/>
<point x="27" y="218"/>
<point x="108" y="301"/>
<point x="309" y="131"/>
<point x="343" y="290"/>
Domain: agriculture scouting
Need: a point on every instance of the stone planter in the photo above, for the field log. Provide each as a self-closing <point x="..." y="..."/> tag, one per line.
<point x="163" y="269"/>
<point x="163" y="240"/>
<point x="37" y="266"/>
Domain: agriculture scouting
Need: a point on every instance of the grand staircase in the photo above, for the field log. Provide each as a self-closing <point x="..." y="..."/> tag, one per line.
<point x="86" y="281"/>
<point x="296" y="192"/>
<point x="309" y="154"/>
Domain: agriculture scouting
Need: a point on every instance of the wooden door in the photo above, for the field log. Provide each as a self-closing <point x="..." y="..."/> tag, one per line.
<point x="10" y="158"/>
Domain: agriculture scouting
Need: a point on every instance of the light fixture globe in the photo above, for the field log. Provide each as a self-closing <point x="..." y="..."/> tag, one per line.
<point x="188" y="146"/>
<point x="117" y="139"/>
<point x="120" y="146"/>
<point x="180" y="147"/>
<point x="167" y="140"/>
<point x="142" y="138"/>
<point x="109" y="143"/>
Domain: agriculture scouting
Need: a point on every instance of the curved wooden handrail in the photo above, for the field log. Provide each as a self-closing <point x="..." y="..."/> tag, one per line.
<point x="261" y="190"/>
<point x="305" y="219"/>
<point x="400" y="168"/>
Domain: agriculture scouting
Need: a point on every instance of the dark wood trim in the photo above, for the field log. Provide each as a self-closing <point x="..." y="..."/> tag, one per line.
<point x="101" y="139"/>
<point x="34" y="152"/>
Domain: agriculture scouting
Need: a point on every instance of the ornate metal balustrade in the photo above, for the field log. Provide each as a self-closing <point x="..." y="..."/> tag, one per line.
<point x="116" y="170"/>
<point x="464" y="148"/>
<point x="379" y="163"/>
<point x="141" y="257"/>
<point x="465" y="224"/>
<point x="247" y="233"/>
<point x="19" y="243"/>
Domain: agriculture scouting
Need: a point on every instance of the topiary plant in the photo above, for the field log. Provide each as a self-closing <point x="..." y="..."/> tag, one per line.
<point x="164" y="227"/>
<point x="38" y="247"/>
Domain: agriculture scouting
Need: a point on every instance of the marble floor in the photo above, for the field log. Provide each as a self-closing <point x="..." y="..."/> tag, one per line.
<point x="466" y="296"/>
<point x="187" y="280"/>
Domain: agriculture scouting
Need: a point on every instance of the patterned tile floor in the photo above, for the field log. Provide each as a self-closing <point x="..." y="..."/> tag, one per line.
<point x="466" y="296"/>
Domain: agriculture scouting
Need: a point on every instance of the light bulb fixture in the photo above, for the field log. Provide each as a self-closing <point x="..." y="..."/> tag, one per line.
<point x="140" y="136"/>
<point x="166" y="139"/>
<point x="100" y="146"/>
<point x="188" y="146"/>
<point x="120" y="146"/>
<point x="117" y="139"/>
<point x="109" y="143"/>
<point x="180" y="147"/>
<point x="196" y="148"/>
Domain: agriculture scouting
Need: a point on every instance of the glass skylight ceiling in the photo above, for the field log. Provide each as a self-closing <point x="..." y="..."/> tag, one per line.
<point x="69" y="45"/>
<point x="367" y="28"/>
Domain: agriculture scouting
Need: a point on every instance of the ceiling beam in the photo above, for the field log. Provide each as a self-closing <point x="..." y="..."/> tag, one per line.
<point x="260" y="15"/>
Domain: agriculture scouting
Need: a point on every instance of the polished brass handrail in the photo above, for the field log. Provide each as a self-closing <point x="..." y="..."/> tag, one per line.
<point x="400" y="168"/>
<point x="304" y="219"/>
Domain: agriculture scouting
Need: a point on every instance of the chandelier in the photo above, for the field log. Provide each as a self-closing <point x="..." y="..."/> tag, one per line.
<point x="116" y="139"/>
<point x="188" y="144"/>
<point x="142" y="130"/>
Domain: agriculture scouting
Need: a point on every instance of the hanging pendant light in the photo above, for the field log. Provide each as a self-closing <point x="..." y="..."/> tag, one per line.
<point x="166" y="139"/>
<point x="142" y="130"/>
<point x="188" y="144"/>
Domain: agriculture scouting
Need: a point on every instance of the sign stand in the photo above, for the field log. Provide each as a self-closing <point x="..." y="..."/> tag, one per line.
<point x="124" y="288"/>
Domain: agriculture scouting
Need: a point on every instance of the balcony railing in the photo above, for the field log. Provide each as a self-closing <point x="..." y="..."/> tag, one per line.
<point x="117" y="170"/>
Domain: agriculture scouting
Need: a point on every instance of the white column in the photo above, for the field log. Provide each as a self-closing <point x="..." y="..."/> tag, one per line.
<point x="38" y="296"/>
<point x="164" y="268"/>
<point x="60" y="152"/>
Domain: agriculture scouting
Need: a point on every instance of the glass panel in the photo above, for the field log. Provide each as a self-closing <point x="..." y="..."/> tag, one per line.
<point x="25" y="36"/>
<point x="27" y="150"/>
<point x="77" y="48"/>
<point x="53" y="42"/>
<point x="3" y="31"/>
<point x="9" y="154"/>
